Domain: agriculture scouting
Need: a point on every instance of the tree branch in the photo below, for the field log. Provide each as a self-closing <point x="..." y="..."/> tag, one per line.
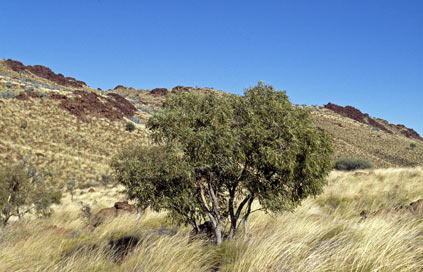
<point x="241" y="206"/>
<point x="214" y="200"/>
<point x="203" y="198"/>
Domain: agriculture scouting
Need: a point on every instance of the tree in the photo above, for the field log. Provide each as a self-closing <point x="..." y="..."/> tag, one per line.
<point x="19" y="194"/>
<point x="215" y="154"/>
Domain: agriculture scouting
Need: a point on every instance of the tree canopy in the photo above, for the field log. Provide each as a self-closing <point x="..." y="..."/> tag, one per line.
<point x="21" y="193"/>
<point x="215" y="153"/>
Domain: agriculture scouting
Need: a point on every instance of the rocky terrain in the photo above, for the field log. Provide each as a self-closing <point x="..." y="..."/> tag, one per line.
<point x="367" y="220"/>
<point x="356" y="114"/>
<point x="65" y="127"/>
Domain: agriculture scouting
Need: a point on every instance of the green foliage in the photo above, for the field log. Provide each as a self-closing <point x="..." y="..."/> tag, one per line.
<point x="19" y="194"/>
<point x="413" y="145"/>
<point x="129" y="126"/>
<point x="218" y="153"/>
<point x="350" y="164"/>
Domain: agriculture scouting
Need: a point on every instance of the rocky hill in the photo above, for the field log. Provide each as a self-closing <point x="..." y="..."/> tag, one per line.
<point x="69" y="131"/>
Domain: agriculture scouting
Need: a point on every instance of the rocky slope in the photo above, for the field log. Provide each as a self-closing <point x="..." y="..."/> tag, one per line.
<point x="356" y="114"/>
<point x="70" y="131"/>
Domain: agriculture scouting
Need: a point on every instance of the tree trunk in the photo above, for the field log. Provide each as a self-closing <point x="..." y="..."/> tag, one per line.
<point x="218" y="231"/>
<point x="245" y="226"/>
<point x="195" y="226"/>
<point x="245" y="217"/>
<point x="138" y="214"/>
<point x="233" y="227"/>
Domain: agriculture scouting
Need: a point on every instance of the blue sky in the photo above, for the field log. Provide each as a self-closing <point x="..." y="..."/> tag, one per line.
<point x="368" y="54"/>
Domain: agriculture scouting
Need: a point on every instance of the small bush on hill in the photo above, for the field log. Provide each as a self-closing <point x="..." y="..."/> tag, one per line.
<point x="24" y="125"/>
<point x="130" y="126"/>
<point x="70" y="187"/>
<point x="350" y="164"/>
<point x="412" y="145"/>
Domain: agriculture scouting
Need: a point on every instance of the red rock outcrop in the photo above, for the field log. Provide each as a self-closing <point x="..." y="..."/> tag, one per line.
<point x="178" y="89"/>
<point x="364" y="118"/>
<point x="84" y="104"/>
<point x="407" y="132"/>
<point x="159" y="91"/>
<point x="357" y="115"/>
<point x="120" y="87"/>
<point x="124" y="206"/>
<point x="46" y="73"/>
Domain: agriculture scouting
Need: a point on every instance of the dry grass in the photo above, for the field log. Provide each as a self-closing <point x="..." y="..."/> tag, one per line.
<point x="357" y="140"/>
<point x="324" y="234"/>
<point x="58" y="143"/>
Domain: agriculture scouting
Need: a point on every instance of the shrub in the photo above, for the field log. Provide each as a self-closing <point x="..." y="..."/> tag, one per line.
<point x="7" y="95"/>
<point x="19" y="195"/>
<point x="105" y="179"/>
<point x="130" y="126"/>
<point x="412" y="145"/>
<point x="24" y="125"/>
<point x="70" y="187"/>
<point x="350" y="164"/>
<point x="86" y="212"/>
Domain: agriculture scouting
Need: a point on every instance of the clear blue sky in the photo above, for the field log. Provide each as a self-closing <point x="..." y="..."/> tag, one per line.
<point x="365" y="53"/>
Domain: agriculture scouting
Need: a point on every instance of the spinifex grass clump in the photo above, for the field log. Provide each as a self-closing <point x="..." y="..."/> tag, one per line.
<point x="350" y="164"/>
<point x="129" y="126"/>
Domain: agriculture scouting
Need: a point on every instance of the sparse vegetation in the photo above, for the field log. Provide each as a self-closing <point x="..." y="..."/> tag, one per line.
<point x="129" y="126"/>
<point x="412" y="146"/>
<point x="350" y="164"/>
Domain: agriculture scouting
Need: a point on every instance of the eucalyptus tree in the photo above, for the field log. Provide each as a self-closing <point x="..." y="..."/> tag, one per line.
<point x="214" y="154"/>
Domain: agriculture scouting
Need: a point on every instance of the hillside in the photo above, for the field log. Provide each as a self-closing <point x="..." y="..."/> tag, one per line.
<point x="384" y="144"/>
<point x="70" y="131"/>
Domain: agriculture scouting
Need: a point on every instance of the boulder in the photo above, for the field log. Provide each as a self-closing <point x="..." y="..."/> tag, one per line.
<point x="124" y="206"/>
<point x="118" y="209"/>
<point x="159" y="91"/>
